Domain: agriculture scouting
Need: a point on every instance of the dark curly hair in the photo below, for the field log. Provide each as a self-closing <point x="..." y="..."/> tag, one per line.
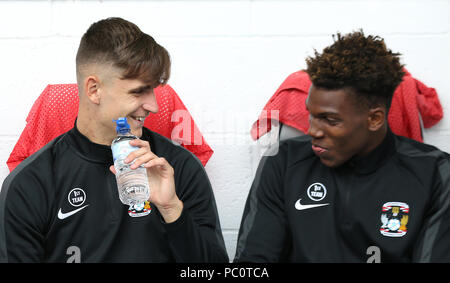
<point x="359" y="63"/>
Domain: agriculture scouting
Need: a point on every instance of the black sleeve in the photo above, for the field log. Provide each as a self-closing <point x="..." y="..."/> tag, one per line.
<point x="263" y="233"/>
<point x="196" y="236"/>
<point x="23" y="206"/>
<point x="433" y="244"/>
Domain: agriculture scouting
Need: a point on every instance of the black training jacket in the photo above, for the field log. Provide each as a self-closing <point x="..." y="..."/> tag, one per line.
<point x="61" y="205"/>
<point x="390" y="206"/>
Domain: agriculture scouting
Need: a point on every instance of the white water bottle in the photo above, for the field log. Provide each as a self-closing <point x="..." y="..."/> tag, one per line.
<point x="132" y="184"/>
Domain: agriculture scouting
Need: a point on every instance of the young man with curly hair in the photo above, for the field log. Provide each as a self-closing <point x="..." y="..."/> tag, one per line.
<point x="351" y="190"/>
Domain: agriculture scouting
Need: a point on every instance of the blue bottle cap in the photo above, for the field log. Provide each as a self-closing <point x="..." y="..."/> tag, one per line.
<point x="122" y="125"/>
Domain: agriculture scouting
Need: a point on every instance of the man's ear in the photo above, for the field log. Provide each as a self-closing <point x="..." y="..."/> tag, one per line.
<point x="92" y="89"/>
<point x="377" y="118"/>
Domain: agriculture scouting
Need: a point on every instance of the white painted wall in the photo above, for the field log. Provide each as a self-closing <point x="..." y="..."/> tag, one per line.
<point x="228" y="58"/>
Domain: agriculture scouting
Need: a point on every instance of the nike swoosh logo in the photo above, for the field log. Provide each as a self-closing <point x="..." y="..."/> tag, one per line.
<point x="300" y="206"/>
<point x="65" y="215"/>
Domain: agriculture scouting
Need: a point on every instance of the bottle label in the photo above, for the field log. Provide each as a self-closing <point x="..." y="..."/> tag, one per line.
<point x="139" y="209"/>
<point x="122" y="149"/>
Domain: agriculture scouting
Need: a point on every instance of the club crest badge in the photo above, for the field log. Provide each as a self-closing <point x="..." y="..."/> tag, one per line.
<point x="394" y="219"/>
<point x="140" y="209"/>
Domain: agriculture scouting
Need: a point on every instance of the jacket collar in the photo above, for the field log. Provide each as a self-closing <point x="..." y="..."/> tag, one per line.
<point x="375" y="159"/>
<point x="88" y="150"/>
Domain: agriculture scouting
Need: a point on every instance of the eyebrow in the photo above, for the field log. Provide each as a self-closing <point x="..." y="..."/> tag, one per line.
<point x="324" y="114"/>
<point x="140" y="89"/>
<point x="329" y="114"/>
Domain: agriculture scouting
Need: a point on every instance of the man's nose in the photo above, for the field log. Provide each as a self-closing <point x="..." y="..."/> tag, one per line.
<point x="314" y="130"/>
<point x="150" y="103"/>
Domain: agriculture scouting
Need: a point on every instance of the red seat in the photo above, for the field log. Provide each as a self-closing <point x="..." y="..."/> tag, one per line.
<point x="55" y="111"/>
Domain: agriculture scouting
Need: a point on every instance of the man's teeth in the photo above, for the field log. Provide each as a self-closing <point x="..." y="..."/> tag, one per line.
<point x="140" y="119"/>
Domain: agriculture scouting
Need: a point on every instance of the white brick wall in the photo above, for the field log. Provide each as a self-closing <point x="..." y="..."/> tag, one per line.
<point x="228" y="58"/>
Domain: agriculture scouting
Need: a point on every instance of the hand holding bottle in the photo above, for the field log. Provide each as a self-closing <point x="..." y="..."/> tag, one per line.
<point x="160" y="177"/>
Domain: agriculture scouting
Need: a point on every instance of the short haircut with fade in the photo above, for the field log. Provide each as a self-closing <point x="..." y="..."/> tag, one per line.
<point x="359" y="63"/>
<point x="122" y="44"/>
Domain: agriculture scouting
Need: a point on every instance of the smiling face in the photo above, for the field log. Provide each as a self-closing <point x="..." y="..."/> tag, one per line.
<point x="130" y="98"/>
<point x="117" y="67"/>
<point x="340" y="127"/>
<point x="105" y="97"/>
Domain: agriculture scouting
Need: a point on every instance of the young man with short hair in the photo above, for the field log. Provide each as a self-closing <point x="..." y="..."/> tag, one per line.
<point x="61" y="204"/>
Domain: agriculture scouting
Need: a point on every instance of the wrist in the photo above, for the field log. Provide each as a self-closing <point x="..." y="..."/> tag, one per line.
<point x="171" y="212"/>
